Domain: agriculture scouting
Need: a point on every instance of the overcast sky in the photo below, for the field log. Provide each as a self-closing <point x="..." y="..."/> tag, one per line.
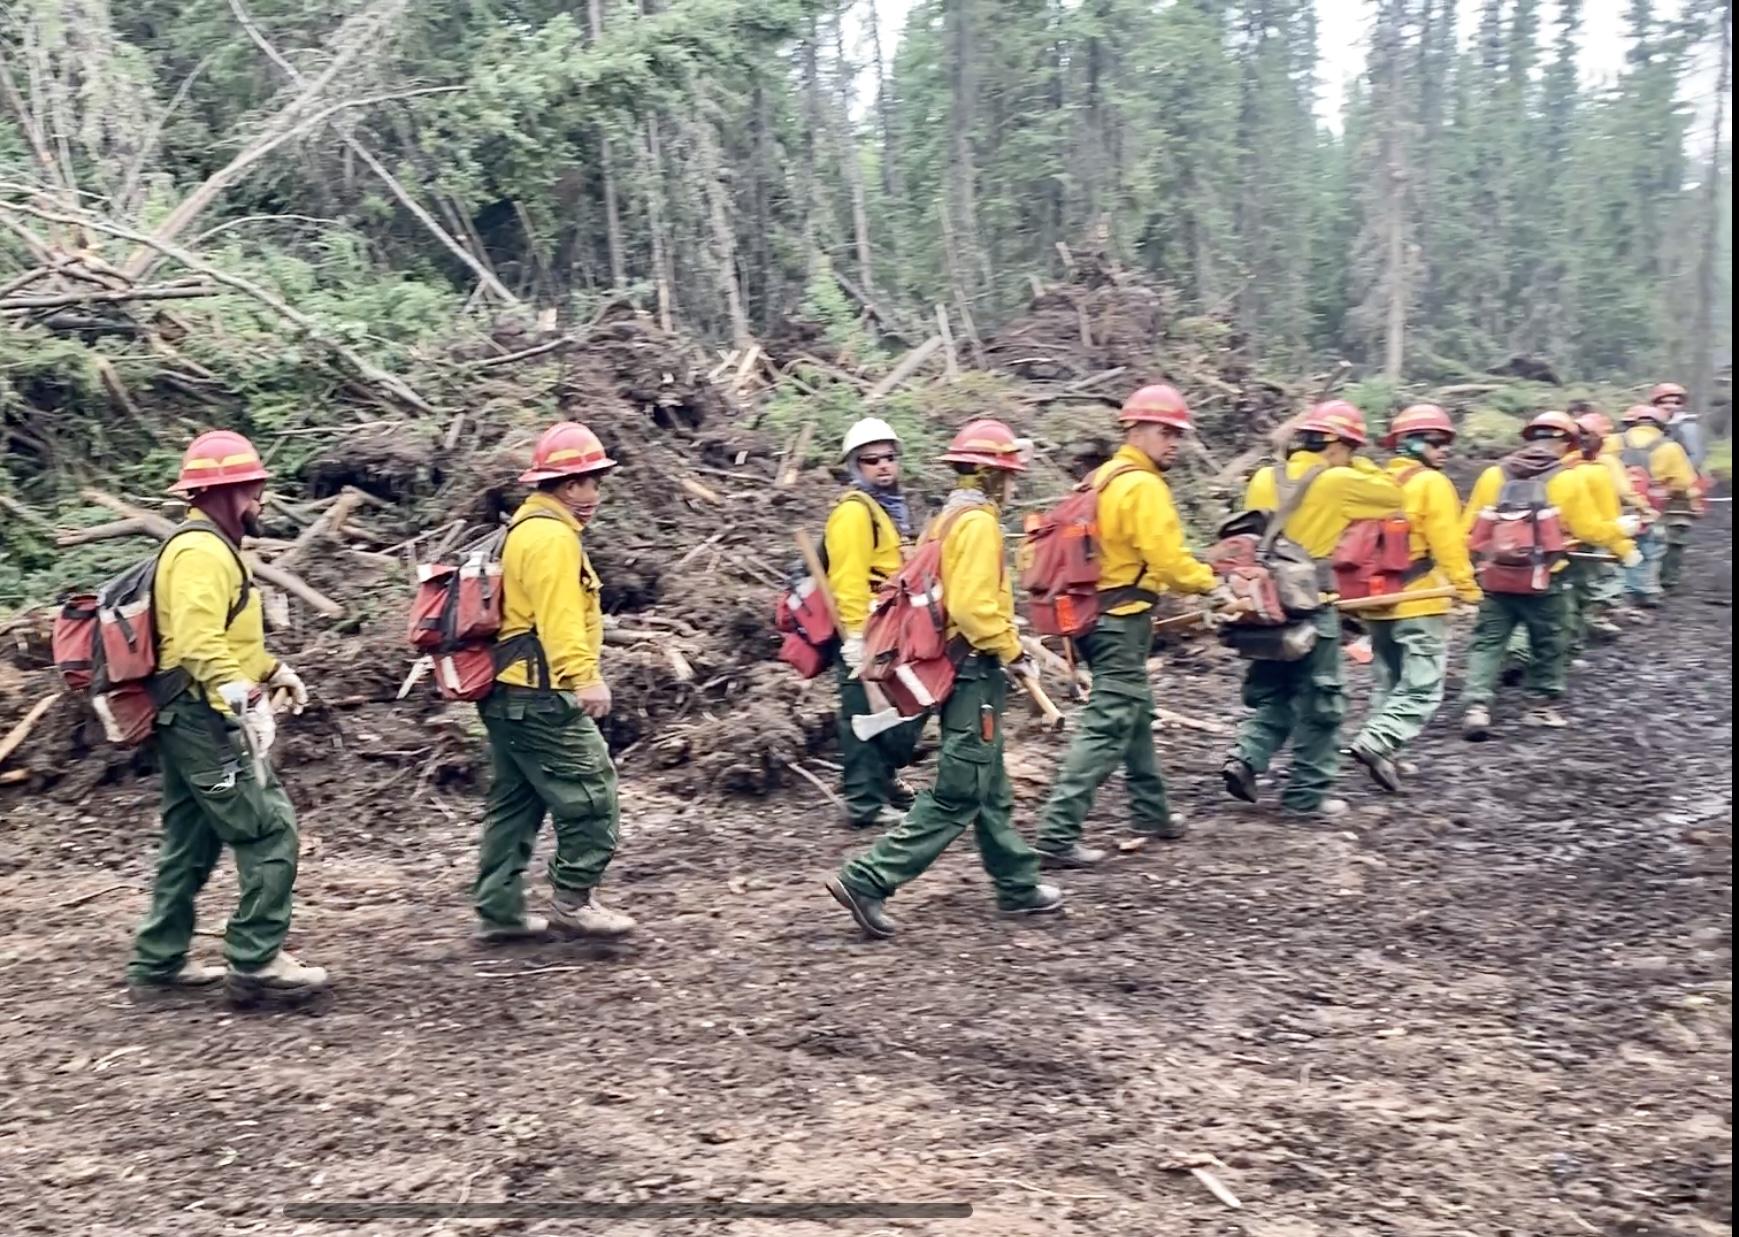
<point x="1342" y="26"/>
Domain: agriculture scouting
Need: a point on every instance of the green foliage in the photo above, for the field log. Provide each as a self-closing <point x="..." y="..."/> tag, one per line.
<point x="1489" y="432"/>
<point x="1377" y="398"/>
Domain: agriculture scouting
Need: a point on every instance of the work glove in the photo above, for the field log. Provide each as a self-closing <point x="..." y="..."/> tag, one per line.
<point x="1022" y="668"/>
<point x="1221" y="597"/>
<point x="1633" y="559"/>
<point x="1630" y="525"/>
<point x="285" y="679"/>
<point x="851" y="651"/>
<point x="254" y="714"/>
<point x="594" y="700"/>
<point x="238" y="696"/>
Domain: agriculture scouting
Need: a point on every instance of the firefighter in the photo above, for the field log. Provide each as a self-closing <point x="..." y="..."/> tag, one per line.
<point x="214" y="732"/>
<point x="1142" y="549"/>
<point x="1410" y="643"/>
<point x="1648" y="449"/>
<point x="862" y="544"/>
<point x="1598" y="585"/>
<point x="1682" y="424"/>
<point x="1551" y="439"/>
<point x="1305" y="700"/>
<point x="972" y="788"/>
<point x="548" y="755"/>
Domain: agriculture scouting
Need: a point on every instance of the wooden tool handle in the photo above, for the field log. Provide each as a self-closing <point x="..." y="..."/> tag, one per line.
<point x="818" y="576"/>
<point x="1388" y="600"/>
<point x="1047" y="708"/>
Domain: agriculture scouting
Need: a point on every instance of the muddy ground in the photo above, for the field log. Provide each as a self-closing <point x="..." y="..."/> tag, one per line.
<point x="1499" y="1005"/>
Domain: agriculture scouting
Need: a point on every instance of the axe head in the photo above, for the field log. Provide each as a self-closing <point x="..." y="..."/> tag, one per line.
<point x="867" y="726"/>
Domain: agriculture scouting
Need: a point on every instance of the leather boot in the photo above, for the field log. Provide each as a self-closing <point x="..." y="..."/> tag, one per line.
<point x="1240" y="779"/>
<point x="901" y="795"/>
<point x="1476" y="724"/>
<point x="1383" y="769"/>
<point x="1044" y="900"/>
<point x="283" y="978"/>
<point x="190" y="978"/>
<point x="867" y="911"/>
<point x="580" y="912"/>
<point x="527" y="928"/>
<point x="1076" y="856"/>
<point x="1544" y="716"/>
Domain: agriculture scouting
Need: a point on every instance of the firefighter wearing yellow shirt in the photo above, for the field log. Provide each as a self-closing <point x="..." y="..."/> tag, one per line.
<point x="1646" y="445"/>
<point x="1305" y="700"/>
<point x="1551" y="440"/>
<point x="862" y="548"/>
<point x="1410" y="643"/>
<point x="972" y="787"/>
<point x="1599" y="586"/>
<point x="548" y="756"/>
<point x="1142" y="547"/>
<point x="214" y="731"/>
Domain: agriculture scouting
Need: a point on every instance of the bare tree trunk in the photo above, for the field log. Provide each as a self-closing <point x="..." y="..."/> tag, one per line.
<point x="892" y="185"/>
<point x="1395" y="225"/>
<point x="663" y="276"/>
<point x="1703" y="328"/>
<point x="846" y="146"/>
<point x="607" y="172"/>
<point x="724" y="238"/>
<point x="962" y="175"/>
<point x="764" y="290"/>
<point x="814" y="122"/>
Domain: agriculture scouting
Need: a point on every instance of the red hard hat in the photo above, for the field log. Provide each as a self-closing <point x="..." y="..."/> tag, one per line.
<point x="1159" y="404"/>
<point x="987" y="443"/>
<point x="1665" y="389"/>
<point x="1596" y="424"/>
<point x="1418" y="419"/>
<point x="1552" y="422"/>
<point x="1643" y="412"/>
<point x="1338" y="419"/>
<point x="218" y="457"/>
<point x="566" y="449"/>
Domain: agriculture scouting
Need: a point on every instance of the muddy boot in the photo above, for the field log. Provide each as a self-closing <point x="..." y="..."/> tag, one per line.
<point x="1045" y="900"/>
<point x="1476" y="724"/>
<point x="1076" y="856"/>
<point x="1513" y="675"/>
<point x="190" y="978"/>
<point x="869" y="912"/>
<point x="1240" y="779"/>
<point x="1328" y="809"/>
<point x="527" y="928"/>
<point x="886" y="818"/>
<point x="283" y="978"/>
<point x="901" y="795"/>
<point x="1544" y="717"/>
<point x="1603" y="630"/>
<point x="580" y="912"/>
<point x="1175" y="829"/>
<point x="1383" y="769"/>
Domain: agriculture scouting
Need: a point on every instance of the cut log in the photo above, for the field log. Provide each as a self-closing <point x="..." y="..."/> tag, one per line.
<point x="21" y="731"/>
<point x="330" y="524"/>
<point x="794" y="462"/>
<point x="909" y="365"/>
<point x="103" y="532"/>
<point x="703" y="492"/>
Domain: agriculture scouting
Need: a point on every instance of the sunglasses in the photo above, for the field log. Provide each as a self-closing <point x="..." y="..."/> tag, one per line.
<point x="886" y="457"/>
<point x="1438" y="440"/>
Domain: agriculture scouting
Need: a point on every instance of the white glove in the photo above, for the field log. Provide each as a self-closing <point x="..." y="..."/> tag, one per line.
<point x="851" y="651"/>
<point x="1630" y="525"/>
<point x="288" y="680"/>
<point x="1633" y="559"/>
<point x="236" y="696"/>
<point x="259" y="723"/>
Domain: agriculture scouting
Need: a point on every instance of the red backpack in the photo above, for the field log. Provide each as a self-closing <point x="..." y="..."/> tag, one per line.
<point x="456" y="615"/>
<point x="801" y="614"/>
<point x="105" y="644"/>
<point x="1639" y="463"/>
<point x="1375" y="557"/>
<point x="1061" y="564"/>
<point x="1520" y="537"/>
<point x="906" y="649"/>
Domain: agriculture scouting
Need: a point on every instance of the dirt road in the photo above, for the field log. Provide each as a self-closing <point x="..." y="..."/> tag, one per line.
<point x="1500" y="1005"/>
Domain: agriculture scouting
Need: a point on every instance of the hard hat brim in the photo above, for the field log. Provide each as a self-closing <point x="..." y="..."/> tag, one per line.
<point x="185" y="486"/>
<point x="532" y="476"/>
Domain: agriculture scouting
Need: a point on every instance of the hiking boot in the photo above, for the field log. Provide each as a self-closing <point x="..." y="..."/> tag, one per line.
<point x="1383" y="769"/>
<point x="901" y="795"/>
<point x="1328" y="809"/>
<point x="1174" y="829"/>
<point x="1075" y="856"/>
<point x="525" y="928"/>
<point x="191" y="977"/>
<point x="1240" y="779"/>
<point x="1476" y="724"/>
<point x="1044" y="900"/>
<point x="1513" y="675"/>
<point x="1544" y="717"/>
<point x="869" y="912"/>
<point x="580" y="912"/>
<point x="283" y="977"/>
<point x="886" y="818"/>
<point x="1603" y="630"/>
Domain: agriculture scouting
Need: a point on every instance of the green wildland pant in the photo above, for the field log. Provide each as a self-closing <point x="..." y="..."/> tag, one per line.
<point x="1547" y="619"/>
<point x="1591" y="587"/>
<point x="1409" y="658"/>
<point x="1304" y="701"/>
<point x="211" y="798"/>
<point x="1116" y="728"/>
<point x="1678" y="536"/>
<point x="972" y="790"/>
<point x="870" y="764"/>
<point x="548" y="757"/>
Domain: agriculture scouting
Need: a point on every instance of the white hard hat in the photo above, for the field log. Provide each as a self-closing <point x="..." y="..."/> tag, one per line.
<point x="864" y="432"/>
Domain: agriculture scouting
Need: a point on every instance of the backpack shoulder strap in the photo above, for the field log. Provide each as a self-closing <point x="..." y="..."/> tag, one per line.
<point x="201" y="526"/>
<point x="1291" y="497"/>
<point x="1100" y="487"/>
<point x="1408" y="473"/>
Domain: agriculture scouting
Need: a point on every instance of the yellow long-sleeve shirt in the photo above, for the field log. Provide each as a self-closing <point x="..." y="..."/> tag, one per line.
<point x="197" y="581"/>
<point x="1627" y="494"/>
<point x="548" y="585"/>
<point x="1140" y="535"/>
<point x="1601" y="486"/>
<point x="1338" y="496"/>
<point x="1434" y="516"/>
<point x="1566" y="491"/>
<point x="977" y="592"/>
<point x="863" y="553"/>
<point x="1667" y="463"/>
